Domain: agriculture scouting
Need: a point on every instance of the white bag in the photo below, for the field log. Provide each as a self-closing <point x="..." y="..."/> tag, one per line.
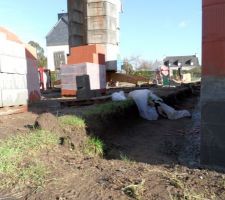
<point x="119" y="96"/>
<point x="141" y="99"/>
<point x="172" y="113"/>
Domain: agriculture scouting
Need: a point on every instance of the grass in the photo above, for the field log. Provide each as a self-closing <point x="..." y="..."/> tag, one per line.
<point x="125" y="158"/>
<point x="109" y="108"/>
<point x="94" y="147"/>
<point x="72" y="121"/>
<point x="18" y="163"/>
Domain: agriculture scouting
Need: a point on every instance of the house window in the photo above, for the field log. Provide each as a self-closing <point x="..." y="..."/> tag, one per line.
<point x="188" y="62"/>
<point x="59" y="59"/>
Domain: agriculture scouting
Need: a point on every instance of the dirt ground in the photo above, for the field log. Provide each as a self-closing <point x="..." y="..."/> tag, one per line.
<point x="143" y="160"/>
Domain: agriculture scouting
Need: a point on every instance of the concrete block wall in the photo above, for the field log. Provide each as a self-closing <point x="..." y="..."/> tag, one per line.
<point x="96" y="72"/>
<point x="213" y="84"/>
<point x="33" y="85"/>
<point x="96" y="22"/>
<point x="13" y="70"/>
<point x="88" y="53"/>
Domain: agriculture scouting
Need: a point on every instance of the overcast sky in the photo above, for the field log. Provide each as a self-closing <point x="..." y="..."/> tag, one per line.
<point x="149" y="28"/>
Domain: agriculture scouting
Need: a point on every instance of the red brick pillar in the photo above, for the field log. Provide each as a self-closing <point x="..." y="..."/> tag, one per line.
<point x="213" y="84"/>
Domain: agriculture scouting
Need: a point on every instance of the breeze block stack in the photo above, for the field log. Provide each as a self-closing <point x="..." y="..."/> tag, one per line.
<point x="84" y="60"/>
<point x="14" y="73"/>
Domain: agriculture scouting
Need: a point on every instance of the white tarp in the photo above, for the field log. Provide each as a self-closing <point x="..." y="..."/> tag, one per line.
<point x="119" y="96"/>
<point x="14" y="65"/>
<point x="14" y="97"/>
<point x="141" y="99"/>
<point x="172" y="113"/>
<point x="149" y="112"/>
<point x="13" y="81"/>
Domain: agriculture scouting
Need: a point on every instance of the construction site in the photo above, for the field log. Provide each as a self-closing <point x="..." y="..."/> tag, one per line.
<point x="83" y="127"/>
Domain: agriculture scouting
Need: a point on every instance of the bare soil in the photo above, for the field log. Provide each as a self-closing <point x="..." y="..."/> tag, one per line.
<point x="141" y="162"/>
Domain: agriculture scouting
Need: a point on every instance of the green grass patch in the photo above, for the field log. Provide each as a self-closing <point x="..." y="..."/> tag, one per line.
<point x="17" y="157"/>
<point x="109" y="108"/>
<point x="94" y="147"/>
<point x="72" y="121"/>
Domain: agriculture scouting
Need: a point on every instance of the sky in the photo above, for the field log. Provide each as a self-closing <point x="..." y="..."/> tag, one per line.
<point x="151" y="29"/>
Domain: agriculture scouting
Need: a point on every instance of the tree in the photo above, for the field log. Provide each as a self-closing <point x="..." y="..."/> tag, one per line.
<point x="41" y="59"/>
<point x="127" y="67"/>
<point x="145" y="65"/>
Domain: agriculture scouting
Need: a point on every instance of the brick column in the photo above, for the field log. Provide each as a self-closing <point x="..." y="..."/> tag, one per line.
<point x="213" y="84"/>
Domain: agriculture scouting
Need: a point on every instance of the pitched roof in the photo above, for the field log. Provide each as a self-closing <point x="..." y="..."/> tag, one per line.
<point x="183" y="60"/>
<point x="59" y="34"/>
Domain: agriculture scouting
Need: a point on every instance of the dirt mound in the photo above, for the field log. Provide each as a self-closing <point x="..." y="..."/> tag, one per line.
<point x="48" y="122"/>
<point x="71" y="137"/>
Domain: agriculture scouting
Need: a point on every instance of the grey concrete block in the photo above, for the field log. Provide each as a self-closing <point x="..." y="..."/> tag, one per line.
<point x="111" y="65"/>
<point x="83" y="87"/>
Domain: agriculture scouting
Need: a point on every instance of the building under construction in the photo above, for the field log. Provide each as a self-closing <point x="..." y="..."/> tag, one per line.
<point x="96" y="22"/>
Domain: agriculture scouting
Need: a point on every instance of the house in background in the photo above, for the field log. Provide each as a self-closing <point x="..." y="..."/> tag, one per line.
<point x="187" y="62"/>
<point x="57" y="42"/>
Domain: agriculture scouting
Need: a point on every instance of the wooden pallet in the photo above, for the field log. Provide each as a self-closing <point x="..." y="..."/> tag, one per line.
<point x="13" y="110"/>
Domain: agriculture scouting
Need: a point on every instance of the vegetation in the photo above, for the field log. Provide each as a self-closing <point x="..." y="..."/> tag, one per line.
<point x="195" y="73"/>
<point x="125" y="158"/>
<point x="109" y="108"/>
<point x="94" y="147"/>
<point x="15" y="163"/>
<point x="147" y="74"/>
<point x="42" y="60"/>
<point x="136" y="63"/>
<point x="135" y="190"/>
<point x="72" y="121"/>
<point x="127" y="67"/>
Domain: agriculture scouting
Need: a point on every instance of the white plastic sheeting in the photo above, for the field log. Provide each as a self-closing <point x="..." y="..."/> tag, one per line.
<point x="119" y="96"/>
<point x="13" y="81"/>
<point x="141" y="99"/>
<point x="10" y="48"/>
<point x="15" y="97"/>
<point x="1" y="103"/>
<point x="172" y="113"/>
<point x="15" y="65"/>
<point x="149" y="112"/>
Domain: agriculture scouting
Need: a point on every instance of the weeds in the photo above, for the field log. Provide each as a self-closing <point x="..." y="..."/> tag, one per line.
<point x="72" y="121"/>
<point x="94" y="147"/>
<point x="16" y="158"/>
<point x="134" y="190"/>
<point x="187" y="193"/>
<point x="125" y="158"/>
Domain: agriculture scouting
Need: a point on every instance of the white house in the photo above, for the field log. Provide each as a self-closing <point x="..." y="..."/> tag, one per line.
<point x="57" y="43"/>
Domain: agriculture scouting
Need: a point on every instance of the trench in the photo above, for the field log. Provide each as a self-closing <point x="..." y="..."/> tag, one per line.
<point x="169" y="142"/>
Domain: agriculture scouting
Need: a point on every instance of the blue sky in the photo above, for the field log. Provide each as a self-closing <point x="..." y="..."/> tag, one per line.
<point x="149" y="28"/>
